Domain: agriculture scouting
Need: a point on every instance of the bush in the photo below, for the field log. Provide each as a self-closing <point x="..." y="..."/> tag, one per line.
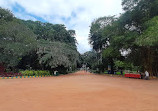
<point x="34" y="73"/>
<point x="119" y="73"/>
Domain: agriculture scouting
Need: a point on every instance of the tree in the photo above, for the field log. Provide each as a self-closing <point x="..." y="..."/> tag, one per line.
<point x="54" y="38"/>
<point x="5" y="15"/>
<point x="102" y="36"/>
<point x="139" y="17"/>
<point x="55" y="55"/>
<point x="52" y="32"/>
<point x="137" y="12"/>
<point x="134" y="33"/>
<point x="15" y="39"/>
<point x="148" y="41"/>
<point x="96" y="37"/>
<point x="90" y="59"/>
<point x="33" y="44"/>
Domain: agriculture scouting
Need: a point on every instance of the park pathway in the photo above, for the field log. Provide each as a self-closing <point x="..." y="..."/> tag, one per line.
<point x="80" y="91"/>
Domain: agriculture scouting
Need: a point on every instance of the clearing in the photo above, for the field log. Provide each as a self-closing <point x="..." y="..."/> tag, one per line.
<point x="80" y="91"/>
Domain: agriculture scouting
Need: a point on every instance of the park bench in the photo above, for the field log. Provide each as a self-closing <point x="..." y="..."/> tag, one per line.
<point x="133" y="76"/>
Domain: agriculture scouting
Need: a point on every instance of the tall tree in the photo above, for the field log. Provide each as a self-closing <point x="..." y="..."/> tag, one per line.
<point x="56" y="54"/>
<point x="15" y="39"/>
<point x="132" y="34"/>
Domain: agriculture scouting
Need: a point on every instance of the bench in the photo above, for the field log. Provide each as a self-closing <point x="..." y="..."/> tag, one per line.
<point x="133" y="76"/>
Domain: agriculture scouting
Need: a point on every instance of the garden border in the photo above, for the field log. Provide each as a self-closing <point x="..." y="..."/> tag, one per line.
<point x="25" y="77"/>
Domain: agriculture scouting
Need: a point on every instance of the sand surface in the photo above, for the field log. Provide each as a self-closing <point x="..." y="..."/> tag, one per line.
<point x="80" y="91"/>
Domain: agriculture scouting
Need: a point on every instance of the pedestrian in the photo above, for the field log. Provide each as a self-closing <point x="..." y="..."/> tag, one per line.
<point x="55" y="72"/>
<point x="142" y="75"/>
<point x="146" y="75"/>
<point x="87" y="69"/>
<point x="121" y="71"/>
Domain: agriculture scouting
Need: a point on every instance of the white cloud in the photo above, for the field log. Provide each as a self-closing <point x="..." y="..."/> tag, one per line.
<point x="25" y="17"/>
<point x="79" y="13"/>
<point x="6" y="4"/>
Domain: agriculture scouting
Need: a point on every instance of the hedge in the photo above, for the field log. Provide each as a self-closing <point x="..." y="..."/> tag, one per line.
<point x="34" y="73"/>
<point x="117" y="73"/>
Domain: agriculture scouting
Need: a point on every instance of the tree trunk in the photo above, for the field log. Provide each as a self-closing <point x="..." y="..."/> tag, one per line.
<point x="150" y="61"/>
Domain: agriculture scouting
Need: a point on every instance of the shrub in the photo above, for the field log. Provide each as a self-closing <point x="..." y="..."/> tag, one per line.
<point x="119" y="73"/>
<point x="105" y="72"/>
<point x="35" y="73"/>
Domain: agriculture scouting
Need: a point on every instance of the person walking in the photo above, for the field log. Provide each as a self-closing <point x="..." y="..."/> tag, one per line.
<point x="146" y="75"/>
<point x="56" y="73"/>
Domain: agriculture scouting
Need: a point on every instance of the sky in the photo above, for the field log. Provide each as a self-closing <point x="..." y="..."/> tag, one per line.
<point x="75" y="14"/>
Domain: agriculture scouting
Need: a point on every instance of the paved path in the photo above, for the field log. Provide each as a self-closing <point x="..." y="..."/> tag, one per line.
<point x="80" y="91"/>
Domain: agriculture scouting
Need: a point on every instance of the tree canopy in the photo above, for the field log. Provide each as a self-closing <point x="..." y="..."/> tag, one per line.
<point x="37" y="45"/>
<point x="130" y="38"/>
<point x="16" y="40"/>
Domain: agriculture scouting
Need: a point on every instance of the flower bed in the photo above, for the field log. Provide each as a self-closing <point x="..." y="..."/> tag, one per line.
<point x="9" y="74"/>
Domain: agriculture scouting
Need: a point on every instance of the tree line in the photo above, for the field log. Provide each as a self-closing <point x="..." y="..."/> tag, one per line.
<point x="36" y="45"/>
<point x="129" y="41"/>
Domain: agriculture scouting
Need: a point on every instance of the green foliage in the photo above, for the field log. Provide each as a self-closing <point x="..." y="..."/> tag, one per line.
<point x="36" y="45"/>
<point x="5" y="15"/>
<point x="97" y="37"/>
<point x="101" y="38"/>
<point x="119" y="73"/>
<point x="105" y="72"/>
<point x="119" y="64"/>
<point x="134" y="33"/>
<point x="90" y="58"/>
<point x="149" y="37"/>
<point x="139" y="11"/>
<point x="110" y="52"/>
<point x="51" y="32"/>
<point x="15" y="40"/>
<point x="54" y="54"/>
<point x="56" y="45"/>
<point x="34" y="73"/>
<point x="129" y="4"/>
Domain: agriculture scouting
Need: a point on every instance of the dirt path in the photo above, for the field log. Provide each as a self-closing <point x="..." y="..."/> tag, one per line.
<point x="80" y="91"/>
